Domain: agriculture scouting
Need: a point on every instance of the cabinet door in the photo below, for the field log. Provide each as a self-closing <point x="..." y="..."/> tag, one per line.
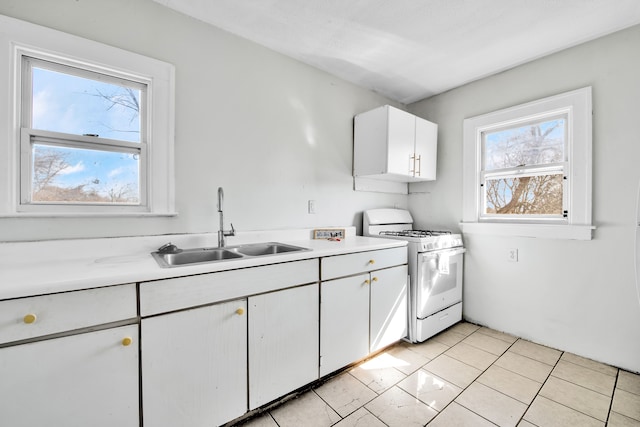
<point x="283" y="342"/>
<point x="388" y="306"/>
<point x="344" y="322"/>
<point x="194" y="366"/>
<point x="82" y="380"/>
<point x="401" y="142"/>
<point x="426" y="150"/>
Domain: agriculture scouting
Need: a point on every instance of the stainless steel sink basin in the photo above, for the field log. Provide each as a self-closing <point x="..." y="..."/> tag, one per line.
<point x="194" y="256"/>
<point x="175" y="257"/>
<point x="262" y="249"/>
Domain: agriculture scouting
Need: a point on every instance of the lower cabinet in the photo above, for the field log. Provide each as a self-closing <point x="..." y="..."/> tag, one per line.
<point x="88" y="379"/>
<point x="344" y="328"/>
<point x="283" y="342"/>
<point x="389" y="305"/>
<point x="194" y="366"/>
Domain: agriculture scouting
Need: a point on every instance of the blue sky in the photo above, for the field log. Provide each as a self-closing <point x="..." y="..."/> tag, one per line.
<point x="70" y="104"/>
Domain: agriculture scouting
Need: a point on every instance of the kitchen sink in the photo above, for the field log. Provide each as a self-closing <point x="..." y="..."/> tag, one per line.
<point x="194" y="256"/>
<point x="262" y="249"/>
<point x="174" y="257"/>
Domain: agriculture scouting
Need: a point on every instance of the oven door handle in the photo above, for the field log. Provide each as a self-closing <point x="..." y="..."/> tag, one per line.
<point x="446" y="252"/>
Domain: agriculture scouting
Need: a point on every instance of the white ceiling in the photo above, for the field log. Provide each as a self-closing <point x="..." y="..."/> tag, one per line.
<point x="409" y="50"/>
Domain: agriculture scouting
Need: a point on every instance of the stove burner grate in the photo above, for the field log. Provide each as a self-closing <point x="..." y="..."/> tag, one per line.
<point x="415" y="233"/>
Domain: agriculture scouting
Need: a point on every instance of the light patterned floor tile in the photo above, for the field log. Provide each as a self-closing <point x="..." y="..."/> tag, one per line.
<point x="409" y="361"/>
<point x="459" y="416"/>
<point x="525" y="423"/>
<point x="547" y="413"/>
<point x="619" y="420"/>
<point x="510" y="383"/>
<point x="307" y="410"/>
<point x="471" y="355"/>
<point x="429" y="349"/>
<point x="591" y="364"/>
<point x="396" y="407"/>
<point x="452" y="370"/>
<point x="432" y="390"/>
<point x="361" y="418"/>
<point x="379" y="373"/>
<point x="536" y="352"/>
<point x="627" y="404"/>
<point x="628" y="382"/>
<point x="345" y="394"/>
<point x="492" y="405"/>
<point x="497" y="334"/>
<point x="464" y="328"/>
<point x="576" y="397"/>
<point x="585" y="377"/>
<point x="263" y="420"/>
<point x="487" y="343"/>
<point x="524" y="366"/>
<point x="449" y="337"/>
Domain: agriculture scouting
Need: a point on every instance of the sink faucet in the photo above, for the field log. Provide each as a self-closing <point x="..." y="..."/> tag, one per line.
<point x="221" y="232"/>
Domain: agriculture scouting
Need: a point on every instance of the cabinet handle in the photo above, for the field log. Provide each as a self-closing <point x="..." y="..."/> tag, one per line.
<point x="30" y="318"/>
<point x="372" y="261"/>
<point x="375" y="279"/>
<point x="240" y="311"/>
<point x="126" y="341"/>
<point x="366" y="281"/>
<point x="418" y="160"/>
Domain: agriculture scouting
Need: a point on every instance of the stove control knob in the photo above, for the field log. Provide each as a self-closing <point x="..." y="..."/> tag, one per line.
<point x="429" y="246"/>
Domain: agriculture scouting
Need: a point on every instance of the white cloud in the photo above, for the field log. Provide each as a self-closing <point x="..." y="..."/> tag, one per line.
<point x="115" y="172"/>
<point x="79" y="167"/>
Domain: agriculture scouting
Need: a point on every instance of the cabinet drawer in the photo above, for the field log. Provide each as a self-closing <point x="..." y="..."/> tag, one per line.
<point x="163" y="296"/>
<point x="361" y="262"/>
<point x="32" y="317"/>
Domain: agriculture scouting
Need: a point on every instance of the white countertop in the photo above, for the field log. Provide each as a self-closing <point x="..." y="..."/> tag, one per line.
<point x="37" y="268"/>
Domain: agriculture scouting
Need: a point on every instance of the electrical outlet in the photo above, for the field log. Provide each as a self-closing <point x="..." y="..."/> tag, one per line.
<point x="512" y="255"/>
<point x="311" y="205"/>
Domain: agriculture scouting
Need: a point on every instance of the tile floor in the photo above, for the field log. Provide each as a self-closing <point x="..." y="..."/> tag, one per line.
<point x="467" y="376"/>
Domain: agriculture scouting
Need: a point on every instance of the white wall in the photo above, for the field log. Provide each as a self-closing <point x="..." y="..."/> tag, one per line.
<point x="577" y="296"/>
<point x="270" y="130"/>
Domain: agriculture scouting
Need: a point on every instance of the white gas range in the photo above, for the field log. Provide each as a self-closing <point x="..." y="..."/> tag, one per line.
<point x="435" y="270"/>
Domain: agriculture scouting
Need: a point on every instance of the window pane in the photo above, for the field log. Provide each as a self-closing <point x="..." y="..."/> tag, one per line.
<point x="524" y="195"/>
<point x="66" y="103"/>
<point x="74" y="175"/>
<point x="533" y="144"/>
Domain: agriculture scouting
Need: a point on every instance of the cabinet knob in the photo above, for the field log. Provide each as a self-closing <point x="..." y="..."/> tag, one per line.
<point x="240" y="311"/>
<point x="126" y="341"/>
<point x="372" y="261"/>
<point x="375" y="279"/>
<point x="30" y="318"/>
<point x="366" y="281"/>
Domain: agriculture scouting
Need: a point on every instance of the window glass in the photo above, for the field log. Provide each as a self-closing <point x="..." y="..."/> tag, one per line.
<point x="63" y="101"/>
<point x="524" y="195"/>
<point x="77" y="175"/>
<point x="532" y="144"/>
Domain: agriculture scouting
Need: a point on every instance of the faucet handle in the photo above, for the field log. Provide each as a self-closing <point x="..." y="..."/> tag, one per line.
<point x="232" y="232"/>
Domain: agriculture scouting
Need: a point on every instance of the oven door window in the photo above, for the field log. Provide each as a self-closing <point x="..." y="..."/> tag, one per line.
<point x="439" y="281"/>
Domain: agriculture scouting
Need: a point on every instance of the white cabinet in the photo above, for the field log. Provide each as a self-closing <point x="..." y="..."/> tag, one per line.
<point x="194" y="366"/>
<point x="77" y="377"/>
<point x="391" y="144"/>
<point x="364" y="311"/>
<point x="283" y="342"/>
<point x="344" y="328"/>
<point x="388" y="307"/>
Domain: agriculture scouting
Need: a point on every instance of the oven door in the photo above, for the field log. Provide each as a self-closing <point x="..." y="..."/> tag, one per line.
<point x="439" y="280"/>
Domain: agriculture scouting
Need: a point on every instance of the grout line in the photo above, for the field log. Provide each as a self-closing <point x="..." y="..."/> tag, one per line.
<point x="615" y="386"/>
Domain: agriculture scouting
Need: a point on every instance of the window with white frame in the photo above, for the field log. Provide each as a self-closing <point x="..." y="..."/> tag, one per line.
<point x="91" y="131"/>
<point x="527" y="169"/>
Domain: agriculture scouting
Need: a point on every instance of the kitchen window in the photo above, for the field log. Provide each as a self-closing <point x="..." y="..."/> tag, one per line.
<point x="91" y="128"/>
<point x="527" y="169"/>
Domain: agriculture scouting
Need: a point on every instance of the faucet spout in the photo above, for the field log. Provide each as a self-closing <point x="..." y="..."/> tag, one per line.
<point x="221" y="232"/>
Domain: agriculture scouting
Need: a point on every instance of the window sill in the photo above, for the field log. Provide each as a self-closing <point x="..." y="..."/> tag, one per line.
<point x="542" y="231"/>
<point x="87" y="214"/>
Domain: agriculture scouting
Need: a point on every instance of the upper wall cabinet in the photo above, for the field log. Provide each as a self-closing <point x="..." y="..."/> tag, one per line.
<point x="391" y="144"/>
